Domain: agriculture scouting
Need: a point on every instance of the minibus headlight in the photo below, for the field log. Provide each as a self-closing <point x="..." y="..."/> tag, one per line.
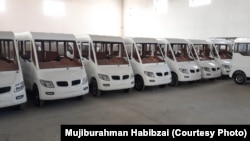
<point x="183" y="70"/>
<point x="206" y="69"/>
<point x="84" y="80"/>
<point x="47" y="84"/>
<point x="225" y="66"/>
<point x="19" y="87"/>
<point x="149" y="74"/>
<point x="104" y="77"/>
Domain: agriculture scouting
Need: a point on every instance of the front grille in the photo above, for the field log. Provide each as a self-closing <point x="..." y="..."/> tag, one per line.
<point x="125" y="77"/>
<point x="62" y="83"/>
<point x="192" y="71"/>
<point x="4" y="90"/>
<point x="166" y="73"/>
<point x="198" y="70"/>
<point x="213" y="69"/>
<point x="159" y="74"/>
<point x="116" y="77"/>
<point x="76" y="82"/>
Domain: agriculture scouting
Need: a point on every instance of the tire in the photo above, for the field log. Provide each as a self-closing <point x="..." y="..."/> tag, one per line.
<point x="240" y="78"/>
<point x="94" y="88"/>
<point x="37" y="101"/>
<point x="162" y="86"/>
<point x="127" y="90"/>
<point x="139" y="83"/>
<point x="174" y="81"/>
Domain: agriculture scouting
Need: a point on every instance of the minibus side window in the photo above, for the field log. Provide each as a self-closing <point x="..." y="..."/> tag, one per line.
<point x="169" y="53"/>
<point x="85" y="49"/>
<point x="214" y="50"/>
<point x="243" y="49"/>
<point x="163" y="50"/>
<point x="193" y="52"/>
<point x="91" y="53"/>
<point x="135" y="55"/>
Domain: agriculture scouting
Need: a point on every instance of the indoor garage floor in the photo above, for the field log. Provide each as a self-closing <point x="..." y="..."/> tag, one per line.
<point x="208" y="102"/>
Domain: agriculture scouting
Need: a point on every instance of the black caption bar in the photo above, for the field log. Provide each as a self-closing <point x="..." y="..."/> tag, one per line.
<point x="166" y="132"/>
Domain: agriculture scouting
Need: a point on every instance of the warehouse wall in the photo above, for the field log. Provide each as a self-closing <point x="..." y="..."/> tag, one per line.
<point x="222" y="18"/>
<point x="81" y="17"/>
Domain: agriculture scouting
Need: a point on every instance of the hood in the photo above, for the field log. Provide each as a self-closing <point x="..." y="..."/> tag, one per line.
<point x="226" y="61"/>
<point x="8" y="77"/>
<point x="62" y="74"/>
<point x="210" y="64"/>
<point x="189" y="65"/>
<point x="115" y="69"/>
<point x="161" y="67"/>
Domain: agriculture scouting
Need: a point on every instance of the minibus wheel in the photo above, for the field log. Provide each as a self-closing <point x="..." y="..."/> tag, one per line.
<point x="239" y="78"/>
<point x="174" y="81"/>
<point x="37" y="101"/>
<point x="139" y="83"/>
<point x="94" y="88"/>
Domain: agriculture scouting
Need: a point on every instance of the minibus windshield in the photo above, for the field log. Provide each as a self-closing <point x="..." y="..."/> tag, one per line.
<point x="149" y="53"/>
<point x="57" y="54"/>
<point x="110" y="53"/>
<point x="8" y="58"/>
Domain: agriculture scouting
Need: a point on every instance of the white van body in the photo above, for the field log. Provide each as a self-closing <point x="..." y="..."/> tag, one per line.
<point x="179" y="57"/>
<point x="12" y="89"/>
<point x="148" y="67"/>
<point x="106" y="64"/>
<point x="222" y="51"/>
<point x="51" y="66"/>
<point x="240" y="70"/>
<point x="204" y="57"/>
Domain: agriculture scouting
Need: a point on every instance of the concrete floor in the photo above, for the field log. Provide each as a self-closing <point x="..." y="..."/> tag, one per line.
<point x="208" y="102"/>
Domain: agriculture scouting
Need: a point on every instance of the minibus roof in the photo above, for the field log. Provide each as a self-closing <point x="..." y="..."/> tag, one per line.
<point x="176" y="41"/>
<point x="198" y="41"/>
<point x="45" y="36"/>
<point x="221" y="41"/>
<point x="242" y="40"/>
<point x="7" y="35"/>
<point x="145" y="40"/>
<point x="101" y="38"/>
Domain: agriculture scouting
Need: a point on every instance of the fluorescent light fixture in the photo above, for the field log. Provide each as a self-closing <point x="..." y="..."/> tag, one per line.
<point x="54" y="8"/>
<point x="2" y="5"/>
<point x="196" y="3"/>
<point x="160" y="6"/>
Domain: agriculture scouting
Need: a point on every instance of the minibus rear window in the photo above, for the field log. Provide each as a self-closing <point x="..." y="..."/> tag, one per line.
<point x="242" y="48"/>
<point x="8" y="58"/>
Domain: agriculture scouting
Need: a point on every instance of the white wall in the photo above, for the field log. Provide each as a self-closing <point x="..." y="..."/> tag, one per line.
<point x="222" y="18"/>
<point x="81" y="17"/>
